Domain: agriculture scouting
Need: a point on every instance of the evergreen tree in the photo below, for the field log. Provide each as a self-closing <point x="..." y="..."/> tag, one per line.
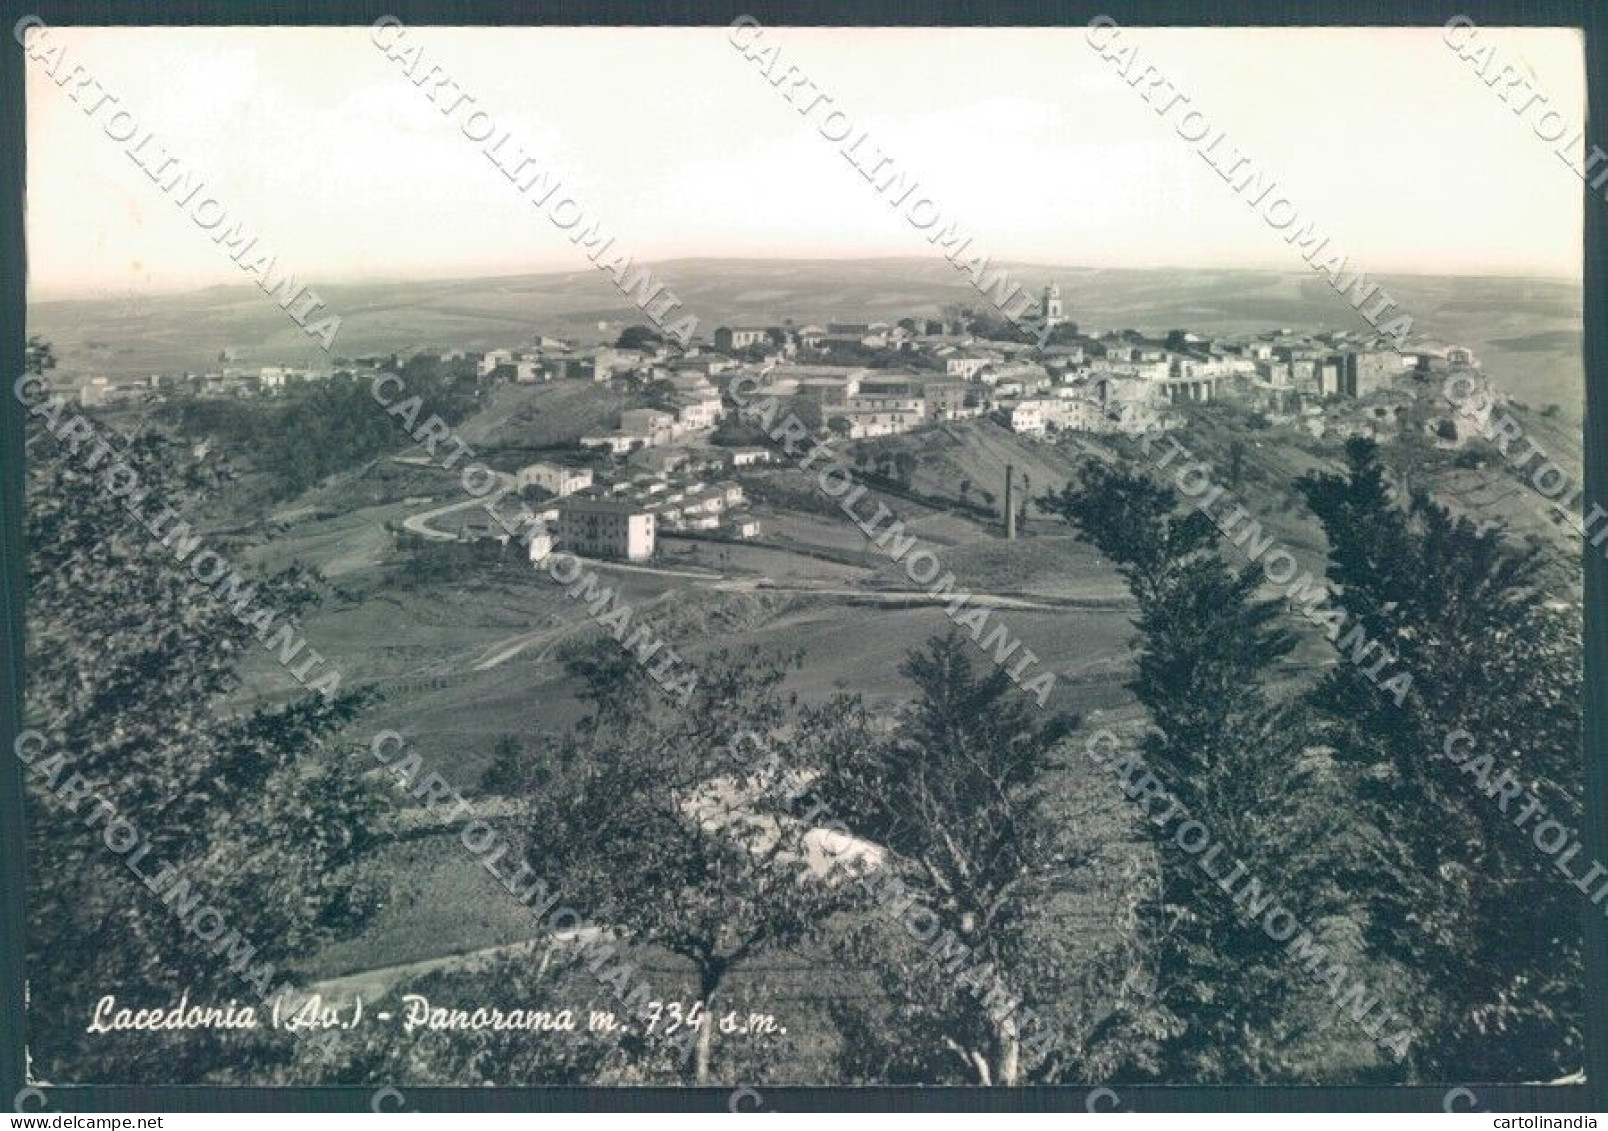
<point x="960" y="796"/>
<point x="1460" y="894"/>
<point x="1234" y="762"/>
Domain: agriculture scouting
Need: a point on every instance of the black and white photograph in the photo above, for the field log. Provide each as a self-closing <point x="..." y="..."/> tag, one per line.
<point x="760" y="555"/>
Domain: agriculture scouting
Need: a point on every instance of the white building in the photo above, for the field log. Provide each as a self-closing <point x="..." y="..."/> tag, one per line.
<point x="867" y="423"/>
<point x="741" y="337"/>
<point x="491" y="361"/>
<point x="555" y="479"/>
<point x="1034" y="416"/>
<point x="695" y="411"/>
<point x="748" y="457"/>
<point x="97" y="392"/>
<point x="606" y="528"/>
<point x="1027" y="417"/>
<point x="968" y="364"/>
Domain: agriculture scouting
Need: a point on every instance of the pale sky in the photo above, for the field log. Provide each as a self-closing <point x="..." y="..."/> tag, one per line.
<point x="679" y="147"/>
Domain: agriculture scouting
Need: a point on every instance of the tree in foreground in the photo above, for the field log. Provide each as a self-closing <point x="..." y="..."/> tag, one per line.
<point x="981" y="985"/>
<point x="1461" y="896"/>
<point x="665" y="826"/>
<point x="1208" y="647"/>
<point x="135" y="682"/>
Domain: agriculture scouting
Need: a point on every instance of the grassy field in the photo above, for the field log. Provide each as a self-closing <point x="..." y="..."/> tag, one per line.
<point x="531" y="417"/>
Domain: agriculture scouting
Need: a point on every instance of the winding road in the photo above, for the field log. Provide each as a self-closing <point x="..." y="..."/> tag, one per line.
<point x="420" y="523"/>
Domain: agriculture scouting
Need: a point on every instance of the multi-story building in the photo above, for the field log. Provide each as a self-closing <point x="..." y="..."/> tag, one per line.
<point x="907" y="402"/>
<point x="606" y="528"/>
<point x="1326" y="377"/>
<point x="1027" y="417"/>
<point x="695" y="411"/>
<point x="896" y="385"/>
<point x="817" y="397"/>
<point x="1275" y="373"/>
<point x="867" y="422"/>
<point x="1153" y="369"/>
<point x="1036" y="415"/>
<point x="828" y="392"/>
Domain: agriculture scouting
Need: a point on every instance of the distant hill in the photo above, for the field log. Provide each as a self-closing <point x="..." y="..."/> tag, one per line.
<point x="1526" y="330"/>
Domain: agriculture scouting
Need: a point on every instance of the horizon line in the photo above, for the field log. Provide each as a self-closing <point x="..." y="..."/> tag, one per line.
<point x="179" y="290"/>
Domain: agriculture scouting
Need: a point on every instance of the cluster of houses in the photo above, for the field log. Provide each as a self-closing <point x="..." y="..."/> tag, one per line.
<point x="1112" y="381"/>
<point x="920" y="373"/>
<point x="235" y="381"/>
<point x="689" y="414"/>
<point x="228" y="381"/>
<point x="859" y="381"/>
<point x="857" y="403"/>
<point x="675" y="504"/>
<point x="621" y="516"/>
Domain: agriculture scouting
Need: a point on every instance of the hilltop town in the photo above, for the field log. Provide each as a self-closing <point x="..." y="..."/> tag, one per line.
<point x="666" y="465"/>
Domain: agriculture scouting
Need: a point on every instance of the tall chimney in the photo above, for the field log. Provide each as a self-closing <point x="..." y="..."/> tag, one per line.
<point x="1010" y="502"/>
